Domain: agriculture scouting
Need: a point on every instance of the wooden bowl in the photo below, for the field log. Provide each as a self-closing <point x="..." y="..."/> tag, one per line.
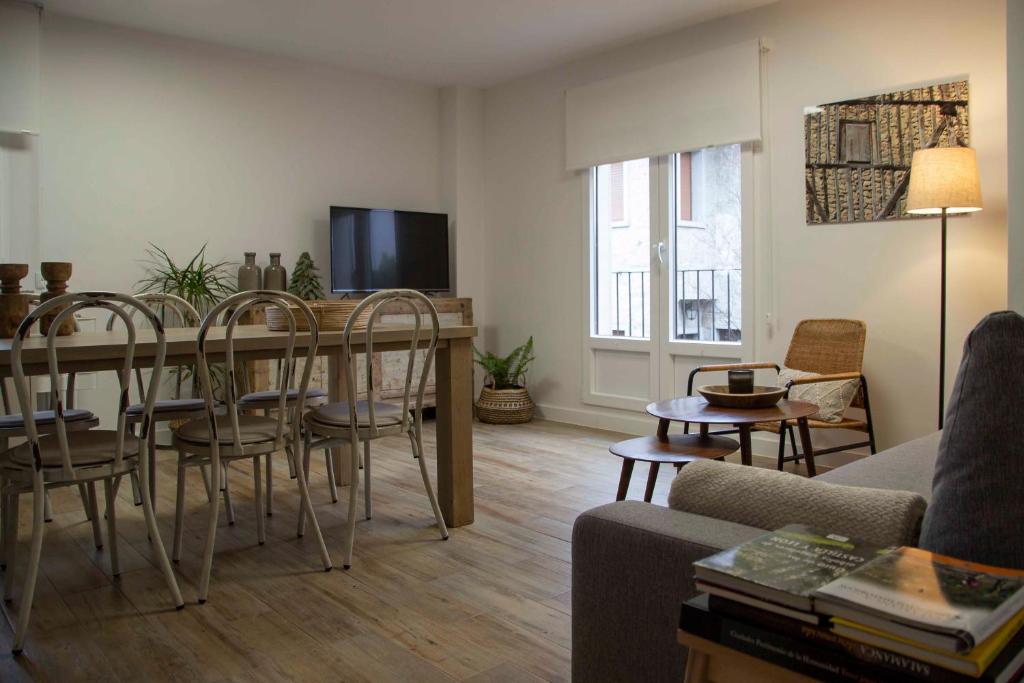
<point x="763" y="397"/>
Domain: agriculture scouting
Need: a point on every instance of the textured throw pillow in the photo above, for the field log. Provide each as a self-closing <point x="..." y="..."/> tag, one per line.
<point x="832" y="398"/>
<point x="767" y="499"/>
<point x="976" y="512"/>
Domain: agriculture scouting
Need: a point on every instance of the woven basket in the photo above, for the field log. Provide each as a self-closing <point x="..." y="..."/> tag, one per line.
<point x="331" y="316"/>
<point x="504" y="406"/>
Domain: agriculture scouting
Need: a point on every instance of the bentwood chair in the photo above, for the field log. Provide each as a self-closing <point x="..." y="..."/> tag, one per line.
<point x="220" y="439"/>
<point x="67" y="458"/>
<point x="173" y="311"/>
<point x="833" y="349"/>
<point x="352" y="422"/>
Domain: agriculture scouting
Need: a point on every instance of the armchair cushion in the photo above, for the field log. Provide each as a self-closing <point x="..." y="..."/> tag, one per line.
<point x="770" y="500"/>
<point x="832" y="398"/>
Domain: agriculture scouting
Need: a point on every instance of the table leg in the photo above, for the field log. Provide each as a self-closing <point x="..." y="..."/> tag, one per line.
<point x="455" y="431"/>
<point x="805" y="443"/>
<point x="746" y="451"/>
<point x="624" y="477"/>
<point x="337" y="388"/>
<point x="663" y="429"/>
<point x="652" y="479"/>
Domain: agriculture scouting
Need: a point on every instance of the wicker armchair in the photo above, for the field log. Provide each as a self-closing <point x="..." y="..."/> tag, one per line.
<point x="834" y="349"/>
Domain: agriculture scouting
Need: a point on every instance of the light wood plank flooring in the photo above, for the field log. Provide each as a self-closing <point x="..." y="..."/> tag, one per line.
<point x="490" y="604"/>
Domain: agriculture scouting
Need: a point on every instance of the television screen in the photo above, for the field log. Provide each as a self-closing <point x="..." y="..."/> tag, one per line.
<point x="373" y="249"/>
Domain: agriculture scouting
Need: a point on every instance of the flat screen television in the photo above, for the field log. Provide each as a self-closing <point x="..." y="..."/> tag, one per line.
<point x="374" y="249"/>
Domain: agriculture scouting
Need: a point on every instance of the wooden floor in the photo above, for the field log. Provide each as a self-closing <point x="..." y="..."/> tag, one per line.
<point x="490" y="604"/>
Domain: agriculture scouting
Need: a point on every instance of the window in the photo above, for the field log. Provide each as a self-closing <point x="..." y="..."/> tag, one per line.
<point x="621" y="249"/>
<point x="697" y="230"/>
<point x="617" y="195"/>
<point x="707" y="263"/>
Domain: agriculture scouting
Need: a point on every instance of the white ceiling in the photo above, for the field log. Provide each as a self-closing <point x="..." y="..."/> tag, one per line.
<point x="440" y="42"/>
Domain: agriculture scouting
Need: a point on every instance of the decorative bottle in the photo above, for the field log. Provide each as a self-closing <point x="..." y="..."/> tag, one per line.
<point x="275" y="277"/>
<point x="249" y="274"/>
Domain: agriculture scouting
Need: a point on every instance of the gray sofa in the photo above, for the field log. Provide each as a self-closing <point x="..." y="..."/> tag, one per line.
<point x="632" y="569"/>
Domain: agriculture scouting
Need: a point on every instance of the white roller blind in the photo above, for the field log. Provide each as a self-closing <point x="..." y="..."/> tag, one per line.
<point x="712" y="98"/>
<point x="19" y="67"/>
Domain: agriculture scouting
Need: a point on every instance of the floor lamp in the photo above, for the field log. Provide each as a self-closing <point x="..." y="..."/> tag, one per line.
<point x="943" y="181"/>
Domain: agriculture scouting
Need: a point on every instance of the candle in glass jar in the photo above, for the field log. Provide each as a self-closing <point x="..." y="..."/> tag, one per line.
<point x="741" y="381"/>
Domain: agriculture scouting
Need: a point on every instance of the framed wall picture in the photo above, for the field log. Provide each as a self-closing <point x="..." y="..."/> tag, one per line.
<point x="858" y="152"/>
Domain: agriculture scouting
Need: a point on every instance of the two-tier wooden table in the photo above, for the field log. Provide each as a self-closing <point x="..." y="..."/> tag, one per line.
<point x="696" y="410"/>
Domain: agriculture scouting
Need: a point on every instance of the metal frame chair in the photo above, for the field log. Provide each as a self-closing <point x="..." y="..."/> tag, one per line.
<point x="183" y="314"/>
<point x="220" y="439"/>
<point x="833" y="348"/>
<point x="68" y="458"/>
<point x="352" y="422"/>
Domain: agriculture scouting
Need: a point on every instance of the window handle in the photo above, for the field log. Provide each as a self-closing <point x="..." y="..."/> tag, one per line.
<point x="659" y="249"/>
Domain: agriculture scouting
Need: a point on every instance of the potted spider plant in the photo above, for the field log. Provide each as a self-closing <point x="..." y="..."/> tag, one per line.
<point x="198" y="281"/>
<point x="504" y="398"/>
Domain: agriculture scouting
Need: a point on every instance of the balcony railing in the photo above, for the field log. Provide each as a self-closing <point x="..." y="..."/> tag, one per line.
<point x="707" y="304"/>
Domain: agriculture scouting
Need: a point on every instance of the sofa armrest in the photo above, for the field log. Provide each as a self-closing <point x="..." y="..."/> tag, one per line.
<point x="631" y="571"/>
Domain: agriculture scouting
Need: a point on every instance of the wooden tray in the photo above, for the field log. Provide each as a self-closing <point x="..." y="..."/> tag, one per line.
<point x="331" y="316"/>
<point x="763" y="397"/>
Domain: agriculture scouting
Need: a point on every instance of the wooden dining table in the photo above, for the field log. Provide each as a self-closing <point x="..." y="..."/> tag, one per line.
<point x="97" y="351"/>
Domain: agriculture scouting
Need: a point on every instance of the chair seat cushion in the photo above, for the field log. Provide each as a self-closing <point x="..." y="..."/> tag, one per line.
<point x="44" y="417"/>
<point x="337" y="414"/>
<point x="177" y="405"/>
<point x="251" y="429"/>
<point x="88" y="447"/>
<point x="274" y="395"/>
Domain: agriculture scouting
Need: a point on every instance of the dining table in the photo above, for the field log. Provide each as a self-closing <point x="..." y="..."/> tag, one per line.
<point x="88" y="351"/>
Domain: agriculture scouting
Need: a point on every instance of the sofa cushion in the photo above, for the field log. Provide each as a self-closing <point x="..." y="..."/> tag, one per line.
<point x="907" y="467"/>
<point x="975" y="512"/>
<point x="770" y="500"/>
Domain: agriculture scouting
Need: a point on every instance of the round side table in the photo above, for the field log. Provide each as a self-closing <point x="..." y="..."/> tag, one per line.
<point x="698" y="411"/>
<point x="674" y="449"/>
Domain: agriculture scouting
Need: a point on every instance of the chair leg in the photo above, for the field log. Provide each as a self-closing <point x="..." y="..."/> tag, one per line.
<point x="97" y="536"/>
<point x="792" y="442"/>
<point x="3" y="521"/>
<point x="154" y="538"/>
<point x="136" y="493"/>
<point x="108" y="490"/>
<point x="206" y="481"/>
<point x="152" y="466"/>
<point x="229" y="507"/>
<point x="306" y="510"/>
<point x="83" y="493"/>
<point x="47" y="508"/>
<point x="353" y="499"/>
<point x="300" y="529"/>
<point x="179" y="510"/>
<point x="11" y="505"/>
<point x="211" y="530"/>
<point x="257" y="478"/>
<point x="417" y="446"/>
<point x="782" y="448"/>
<point x="332" y="483"/>
<point x="270" y="484"/>
<point x="35" y="551"/>
<point x="367" y="502"/>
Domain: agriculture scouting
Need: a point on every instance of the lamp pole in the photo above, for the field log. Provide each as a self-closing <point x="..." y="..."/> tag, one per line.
<point x="942" y="326"/>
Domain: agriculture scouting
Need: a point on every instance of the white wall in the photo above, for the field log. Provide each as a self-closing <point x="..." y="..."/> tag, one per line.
<point x="1015" y="126"/>
<point x="883" y="273"/>
<point x="146" y="138"/>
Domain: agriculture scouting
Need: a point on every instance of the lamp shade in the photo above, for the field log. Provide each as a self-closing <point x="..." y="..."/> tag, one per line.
<point x="944" y="178"/>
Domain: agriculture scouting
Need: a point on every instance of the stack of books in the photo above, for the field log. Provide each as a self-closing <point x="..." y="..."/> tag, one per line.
<point x="836" y="608"/>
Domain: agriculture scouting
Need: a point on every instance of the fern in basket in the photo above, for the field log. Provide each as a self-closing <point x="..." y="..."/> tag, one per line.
<point x="508" y="372"/>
